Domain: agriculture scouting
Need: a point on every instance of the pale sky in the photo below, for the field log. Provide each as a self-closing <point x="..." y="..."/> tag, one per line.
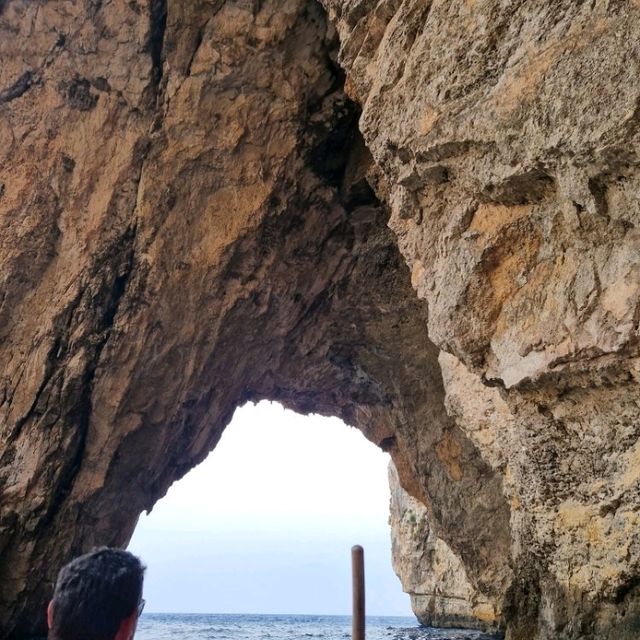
<point x="266" y="523"/>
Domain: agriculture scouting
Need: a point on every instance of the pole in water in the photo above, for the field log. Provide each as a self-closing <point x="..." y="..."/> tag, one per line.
<point x="357" y="568"/>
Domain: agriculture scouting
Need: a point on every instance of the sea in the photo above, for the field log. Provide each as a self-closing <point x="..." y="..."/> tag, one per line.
<point x="170" y="626"/>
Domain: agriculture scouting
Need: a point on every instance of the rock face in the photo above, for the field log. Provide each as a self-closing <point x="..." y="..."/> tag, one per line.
<point x="194" y="201"/>
<point x="434" y="577"/>
<point x="508" y="137"/>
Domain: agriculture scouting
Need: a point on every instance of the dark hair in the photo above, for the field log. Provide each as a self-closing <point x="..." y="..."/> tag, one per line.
<point x="94" y="594"/>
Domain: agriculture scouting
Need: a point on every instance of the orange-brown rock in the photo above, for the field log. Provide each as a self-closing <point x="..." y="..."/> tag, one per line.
<point x="194" y="200"/>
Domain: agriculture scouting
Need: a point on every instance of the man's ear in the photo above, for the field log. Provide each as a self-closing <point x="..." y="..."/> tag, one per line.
<point x="50" y="614"/>
<point x="127" y="627"/>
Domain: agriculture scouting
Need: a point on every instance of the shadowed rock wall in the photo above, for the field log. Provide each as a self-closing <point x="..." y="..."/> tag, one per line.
<point x="190" y="219"/>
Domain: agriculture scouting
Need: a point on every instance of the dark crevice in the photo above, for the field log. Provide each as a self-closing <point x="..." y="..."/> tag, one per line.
<point x="20" y="86"/>
<point x="52" y="365"/>
<point x="158" y="24"/>
<point x="332" y="138"/>
<point x="388" y="444"/>
<point x="78" y="95"/>
<point x="531" y="187"/>
<point x="108" y="302"/>
<point x="93" y="7"/>
<point x="29" y="78"/>
<point x="630" y="587"/>
<point x="598" y="189"/>
<point x="196" y="47"/>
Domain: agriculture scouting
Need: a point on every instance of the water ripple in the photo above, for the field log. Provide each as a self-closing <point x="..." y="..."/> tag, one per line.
<point x="161" y="626"/>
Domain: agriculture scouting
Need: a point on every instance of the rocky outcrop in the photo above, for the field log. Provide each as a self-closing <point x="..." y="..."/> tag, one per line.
<point x="194" y="201"/>
<point x="187" y="226"/>
<point x="432" y="575"/>
<point x="508" y="138"/>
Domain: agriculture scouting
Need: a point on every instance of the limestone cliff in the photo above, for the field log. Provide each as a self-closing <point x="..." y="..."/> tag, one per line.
<point x="508" y="137"/>
<point x="194" y="199"/>
<point x="432" y="575"/>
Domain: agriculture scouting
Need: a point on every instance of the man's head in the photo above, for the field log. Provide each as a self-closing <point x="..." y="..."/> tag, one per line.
<point x="97" y="597"/>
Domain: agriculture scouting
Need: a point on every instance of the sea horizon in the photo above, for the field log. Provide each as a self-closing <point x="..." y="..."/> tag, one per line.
<point x="275" y="626"/>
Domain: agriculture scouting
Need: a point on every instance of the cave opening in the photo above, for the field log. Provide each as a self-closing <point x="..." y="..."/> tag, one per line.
<point x="260" y="267"/>
<point x="264" y="525"/>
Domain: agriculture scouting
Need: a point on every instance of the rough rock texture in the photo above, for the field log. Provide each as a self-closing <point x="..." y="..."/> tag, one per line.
<point x="186" y="226"/>
<point x="508" y="135"/>
<point x="187" y="221"/>
<point x="433" y="576"/>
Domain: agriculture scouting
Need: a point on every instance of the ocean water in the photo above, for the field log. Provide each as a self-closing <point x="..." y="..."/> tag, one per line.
<point x="168" y="626"/>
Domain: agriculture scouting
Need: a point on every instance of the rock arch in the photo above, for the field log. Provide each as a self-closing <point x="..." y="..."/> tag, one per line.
<point x="196" y="233"/>
<point x="191" y="219"/>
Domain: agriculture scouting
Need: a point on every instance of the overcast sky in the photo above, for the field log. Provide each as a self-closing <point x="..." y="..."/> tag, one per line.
<point x="266" y="523"/>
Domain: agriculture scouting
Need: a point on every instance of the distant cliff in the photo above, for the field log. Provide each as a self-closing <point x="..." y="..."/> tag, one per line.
<point x="434" y="577"/>
<point x="420" y="216"/>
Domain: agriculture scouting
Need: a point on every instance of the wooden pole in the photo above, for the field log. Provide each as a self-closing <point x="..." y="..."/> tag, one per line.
<point x="357" y="569"/>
